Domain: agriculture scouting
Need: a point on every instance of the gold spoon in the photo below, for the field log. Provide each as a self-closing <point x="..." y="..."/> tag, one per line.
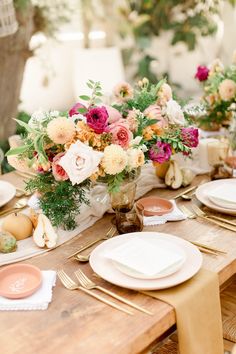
<point x="22" y="192"/>
<point x="81" y="258"/>
<point x="20" y="204"/>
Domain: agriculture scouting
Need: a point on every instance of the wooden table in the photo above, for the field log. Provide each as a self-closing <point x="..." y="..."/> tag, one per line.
<point x="75" y="323"/>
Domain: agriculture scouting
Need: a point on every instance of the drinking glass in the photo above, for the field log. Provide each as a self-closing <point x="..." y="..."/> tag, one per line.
<point x="129" y="220"/>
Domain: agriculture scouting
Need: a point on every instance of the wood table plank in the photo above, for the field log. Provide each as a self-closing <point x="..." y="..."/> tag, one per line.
<point x="77" y="323"/>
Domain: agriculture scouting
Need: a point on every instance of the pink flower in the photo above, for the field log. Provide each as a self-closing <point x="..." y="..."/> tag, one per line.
<point x="114" y="114"/>
<point x="154" y="112"/>
<point x="202" y="73"/>
<point x="58" y="172"/>
<point x="160" y="152"/>
<point x="121" y="135"/>
<point x="123" y="91"/>
<point x="75" y="109"/>
<point x="132" y="119"/>
<point x="97" y="119"/>
<point x="190" y="136"/>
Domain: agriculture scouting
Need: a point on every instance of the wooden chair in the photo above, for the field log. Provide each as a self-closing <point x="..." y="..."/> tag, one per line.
<point x="228" y="306"/>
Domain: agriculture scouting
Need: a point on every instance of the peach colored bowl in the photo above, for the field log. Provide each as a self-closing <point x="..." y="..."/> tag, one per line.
<point x="155" y="206"/>
<point x="19" y="280"/>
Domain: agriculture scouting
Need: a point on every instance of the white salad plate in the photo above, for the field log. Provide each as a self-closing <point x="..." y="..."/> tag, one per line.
<point x="7" y="192"/>
<point x="109" y="271"/>
<point x="212" y="195"/>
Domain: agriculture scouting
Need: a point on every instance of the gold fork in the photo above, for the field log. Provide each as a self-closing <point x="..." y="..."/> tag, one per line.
<point x="110" y="233"/>
<point x="201" y="215"/>
<point x="196" y="208"/>
<point x="71" y="285"/>
<point x="89" y="284"/>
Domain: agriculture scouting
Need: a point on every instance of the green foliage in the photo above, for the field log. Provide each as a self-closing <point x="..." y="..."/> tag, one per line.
<point x="94" y="99"/>
<point x="185" y="21"/>
<point x="59" y="200"/>
<point x="24" y="117"/>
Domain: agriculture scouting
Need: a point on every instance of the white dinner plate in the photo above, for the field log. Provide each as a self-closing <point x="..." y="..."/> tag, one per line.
<point x="105" y="268"/>
<point x="161" y="244"/>
<point x="203" y="191"/>
<point x="7" y="192"/>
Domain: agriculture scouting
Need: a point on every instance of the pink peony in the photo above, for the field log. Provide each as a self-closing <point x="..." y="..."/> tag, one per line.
<point x="202" y="73"/>
<point x="75" y="109"/>
<point x="190" y="136"/>
<point x="121" y="135"/>
<point x="160" y="152"/>
<point x="114" y="114"/>
<point x="58" y="172"/>
<point x="97" y="119"/>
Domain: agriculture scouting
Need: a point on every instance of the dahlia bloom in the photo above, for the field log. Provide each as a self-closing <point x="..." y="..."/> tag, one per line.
<point x="61" y="130"/>
<point x="115" y="159"/>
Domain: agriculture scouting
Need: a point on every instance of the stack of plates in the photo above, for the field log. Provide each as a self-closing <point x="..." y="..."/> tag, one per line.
<point x="219" y="195"/>
<point x="146" y="260"/>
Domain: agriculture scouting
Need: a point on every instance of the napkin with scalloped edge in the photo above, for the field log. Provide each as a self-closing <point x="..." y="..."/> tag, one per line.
<point x="175" y="215"/>
<point x="38" y="301"/>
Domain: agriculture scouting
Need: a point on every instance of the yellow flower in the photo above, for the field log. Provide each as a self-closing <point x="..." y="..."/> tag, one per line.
<point x="115" y="159"/>
<point x="61" y="130"/>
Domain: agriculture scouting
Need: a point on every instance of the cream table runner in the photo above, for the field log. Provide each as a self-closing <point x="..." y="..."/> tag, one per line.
<point x="99" y="204"/>
<point x="198" y="313"/>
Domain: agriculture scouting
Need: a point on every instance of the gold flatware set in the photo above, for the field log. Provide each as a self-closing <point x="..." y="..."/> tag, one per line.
<point x="86" y="285"/>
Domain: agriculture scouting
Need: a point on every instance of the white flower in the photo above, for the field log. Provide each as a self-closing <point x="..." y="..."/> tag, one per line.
<point x="136" y="141"/>
<point x="115" y="159"/>
<point x="80" y="162"/>
<point x="54" y="114"/>
<point x="37" y="118"/>
<point x="174" y="113"/>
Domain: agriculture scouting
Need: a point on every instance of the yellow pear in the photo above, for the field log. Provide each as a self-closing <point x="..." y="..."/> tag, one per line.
<point x="19" y="225"/>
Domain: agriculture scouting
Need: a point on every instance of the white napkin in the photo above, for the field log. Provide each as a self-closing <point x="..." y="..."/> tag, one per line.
<point x="175" y="215"/>
<point x="38" y="301"/>
<point x="223" y="195"/>
<point x="145" y="257"/>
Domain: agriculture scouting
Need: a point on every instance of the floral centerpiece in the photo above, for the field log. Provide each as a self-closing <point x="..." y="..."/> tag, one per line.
<point x="219" y="98"/>
<point x="93" y="141"/>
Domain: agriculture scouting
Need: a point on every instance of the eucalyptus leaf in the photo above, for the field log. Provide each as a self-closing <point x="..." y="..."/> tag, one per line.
<point x="18" y="150"/>
<point x="84" y="97"/>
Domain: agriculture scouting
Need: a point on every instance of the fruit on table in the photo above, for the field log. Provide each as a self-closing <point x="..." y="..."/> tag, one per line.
<point x="188" y="176"/>
<point x="44" y="234"/>
<point x="7" y="242"/>
<point x="173" y="177"/>
<point x="19" y="225"/>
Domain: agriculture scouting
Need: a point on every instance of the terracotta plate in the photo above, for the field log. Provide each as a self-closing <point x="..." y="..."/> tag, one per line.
<point x="19" y="280"/>
<point x="155" y="206"/>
